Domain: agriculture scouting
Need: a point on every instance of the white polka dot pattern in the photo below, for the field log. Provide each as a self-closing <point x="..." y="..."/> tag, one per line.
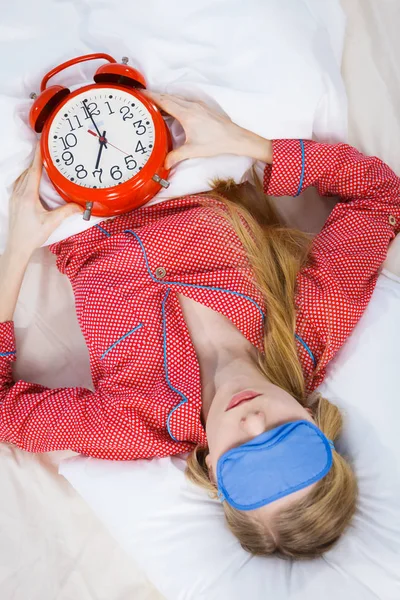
<point x="335" y="287"/>
<point x="126" y="275"/>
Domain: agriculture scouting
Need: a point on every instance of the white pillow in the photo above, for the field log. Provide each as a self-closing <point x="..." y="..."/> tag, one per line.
<point x="272" y="65"/>
<point x="177" y="534"/>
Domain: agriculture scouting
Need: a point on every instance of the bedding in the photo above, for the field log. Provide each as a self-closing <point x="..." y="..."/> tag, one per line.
<point x="203" y="50"/>
<point x="52" y="546"/>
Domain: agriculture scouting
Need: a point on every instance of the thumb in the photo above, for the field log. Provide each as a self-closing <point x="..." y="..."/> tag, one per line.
<point x="182" y="153"/>
<point x="59" y="214"/>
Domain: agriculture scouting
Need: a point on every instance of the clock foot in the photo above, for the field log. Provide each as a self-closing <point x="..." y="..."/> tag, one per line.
<point x="88" y="211"/>
<point x="163" y="182"/>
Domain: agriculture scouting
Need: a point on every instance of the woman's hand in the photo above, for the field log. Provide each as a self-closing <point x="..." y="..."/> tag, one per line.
<point x="209" y="133"/>
<point x="30" y="223"/>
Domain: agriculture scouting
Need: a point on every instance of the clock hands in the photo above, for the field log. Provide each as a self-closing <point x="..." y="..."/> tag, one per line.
<point x="102" y="141"/>
<point x="91" y="118"/>
<point x="107" y="142"/>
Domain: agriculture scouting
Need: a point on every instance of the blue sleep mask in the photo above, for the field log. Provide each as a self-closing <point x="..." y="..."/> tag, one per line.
<point x="274" y="464"/>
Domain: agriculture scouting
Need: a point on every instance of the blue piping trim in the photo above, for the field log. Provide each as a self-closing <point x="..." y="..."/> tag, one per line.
<point x="303" y="167"/>
<point x="204" y="287"/>
<point x="174" y="389"/>
<point x="207" y="287"/>
<point x="302" y="342"/>
<point x="7" y="353"/>
<point x="120" y="340"/>
<point x="103" y="230"/>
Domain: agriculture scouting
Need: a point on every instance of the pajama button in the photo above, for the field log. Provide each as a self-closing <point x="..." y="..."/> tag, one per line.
<point x="392" y="220"/>
<point x="160" y="272"/>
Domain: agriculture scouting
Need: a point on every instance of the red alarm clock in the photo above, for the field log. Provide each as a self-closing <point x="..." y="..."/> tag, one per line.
<point x="103" y="145"/>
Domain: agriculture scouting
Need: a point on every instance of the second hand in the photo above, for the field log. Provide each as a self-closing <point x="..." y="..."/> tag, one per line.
<point x="108" y="142"/>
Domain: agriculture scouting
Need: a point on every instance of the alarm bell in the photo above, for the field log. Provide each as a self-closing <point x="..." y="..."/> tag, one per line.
<point x="51" y="97"/>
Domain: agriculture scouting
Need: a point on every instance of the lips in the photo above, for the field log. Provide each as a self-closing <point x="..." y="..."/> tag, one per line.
<point x="241" y="397"/>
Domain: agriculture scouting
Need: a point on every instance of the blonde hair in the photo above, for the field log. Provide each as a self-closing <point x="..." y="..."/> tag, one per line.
<point x="276" y="253"/>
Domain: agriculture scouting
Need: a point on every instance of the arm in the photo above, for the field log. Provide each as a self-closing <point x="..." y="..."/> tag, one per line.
<point x="38" y="419"/>
<point x="32" y="416"/>
<point x="336" y="285"/>
<point x="12" y="269"/>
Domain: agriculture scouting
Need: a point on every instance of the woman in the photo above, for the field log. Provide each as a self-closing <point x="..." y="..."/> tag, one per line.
<point x="209" y="325"/>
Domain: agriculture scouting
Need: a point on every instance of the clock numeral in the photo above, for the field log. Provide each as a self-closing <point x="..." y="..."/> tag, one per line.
<point x="116" y="173"/>
<point x="69" y="141"/>
<point x="80" y="171"/>
<point x="100" y="172"/>
<point x="130" y="162"/>
<point x="77" y="122"/>
<point x="112" y="112"/>
<point x="67" y="157"/>
<point x="139" y="127"/>
<point x="140" y="147"/>
<point x="126" y="113"/>
<point x="90" y="109"/>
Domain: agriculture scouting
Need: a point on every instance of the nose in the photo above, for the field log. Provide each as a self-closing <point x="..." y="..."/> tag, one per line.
<point x="253" y="423"/>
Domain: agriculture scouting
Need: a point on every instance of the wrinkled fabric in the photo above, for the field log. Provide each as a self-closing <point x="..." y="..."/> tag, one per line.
<point x="221" y="52"/>
<point x="126" y="276"/>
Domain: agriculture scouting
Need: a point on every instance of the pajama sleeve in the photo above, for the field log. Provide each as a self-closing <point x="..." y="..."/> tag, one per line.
<point x="335" y="286"/>
<point x="39" y="419"/>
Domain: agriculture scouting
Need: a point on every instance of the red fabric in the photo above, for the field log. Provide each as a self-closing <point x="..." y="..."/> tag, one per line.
<point x="126" y="275"/>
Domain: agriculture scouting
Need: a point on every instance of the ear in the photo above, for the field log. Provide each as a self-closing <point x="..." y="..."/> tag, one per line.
<point x="210" y="469"/>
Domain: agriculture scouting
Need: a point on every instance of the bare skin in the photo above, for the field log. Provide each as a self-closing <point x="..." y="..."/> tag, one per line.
<point x="30" y="226"/>
<point x="228" y="365"/>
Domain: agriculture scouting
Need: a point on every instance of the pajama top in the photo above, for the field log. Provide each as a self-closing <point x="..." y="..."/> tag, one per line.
<point x="126" y="275"/>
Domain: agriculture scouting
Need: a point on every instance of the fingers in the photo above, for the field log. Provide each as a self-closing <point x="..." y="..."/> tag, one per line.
<point x="173" y="105"/>
<point x="35" y="171"/>
<point x="68" y="209"/>
<point x="59" y="214"/>
<point x="31" y="175"/>
<point x="183" y="153"/>
<point x="172" y="159"/>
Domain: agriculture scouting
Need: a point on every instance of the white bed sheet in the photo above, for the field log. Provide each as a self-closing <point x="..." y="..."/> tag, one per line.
<point x="51" y="546"/>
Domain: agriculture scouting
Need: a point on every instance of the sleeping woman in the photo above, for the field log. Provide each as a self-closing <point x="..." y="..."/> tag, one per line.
<point x="210" y="325"/>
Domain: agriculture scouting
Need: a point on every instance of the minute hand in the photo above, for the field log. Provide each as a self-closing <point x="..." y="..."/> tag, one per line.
<point x="91" y="118"/>
<point x="109" y="143"/>
<point x="102" y="143"/>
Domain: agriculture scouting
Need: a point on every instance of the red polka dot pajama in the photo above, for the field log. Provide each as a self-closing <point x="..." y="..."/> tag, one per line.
<point x="126" y="274"/>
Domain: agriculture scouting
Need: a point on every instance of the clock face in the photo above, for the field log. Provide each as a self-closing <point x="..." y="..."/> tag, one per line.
<point x="101" y="138"/>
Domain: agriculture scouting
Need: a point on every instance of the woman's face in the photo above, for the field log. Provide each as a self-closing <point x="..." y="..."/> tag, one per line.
<point x="228" y="426"/>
